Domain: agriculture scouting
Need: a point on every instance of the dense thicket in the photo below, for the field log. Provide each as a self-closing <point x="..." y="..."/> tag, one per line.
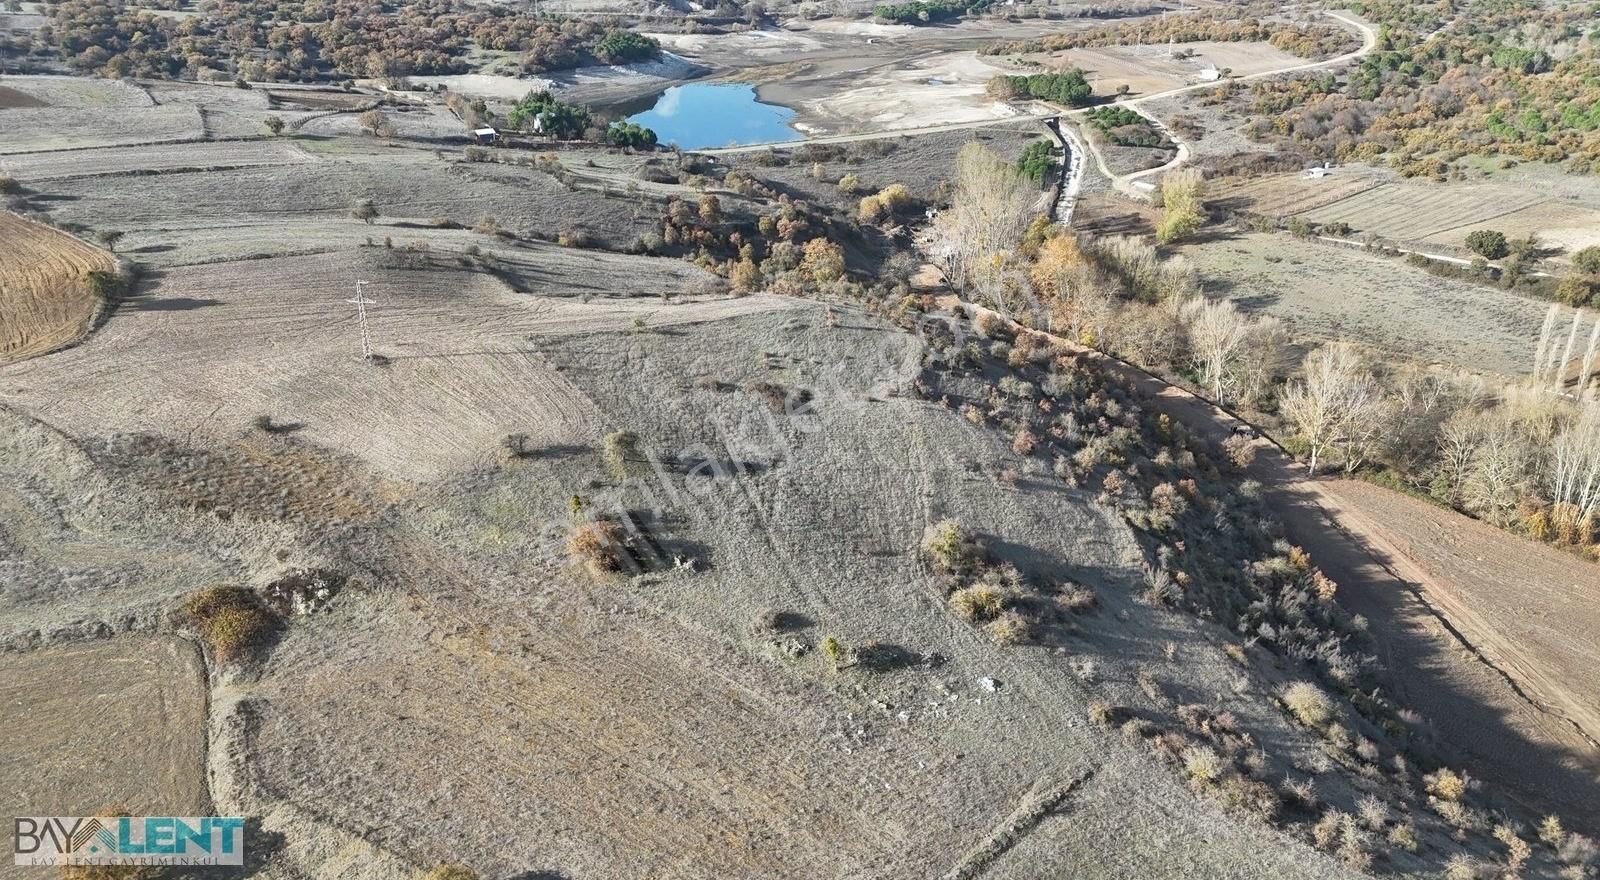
<point x="277" y="40"/>
<point x="1508" y="79"/>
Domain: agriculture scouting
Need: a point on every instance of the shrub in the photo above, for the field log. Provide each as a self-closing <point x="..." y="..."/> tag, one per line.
<point x="232" y="620"/>
<point x="1010" y="628"/>
<point x="599" y="544"/>
<point x="1201" y="764"/>
<point x="620" y="454"/>
<point x="9" y="185"/>
<point x="1404" y="836"/>
<point x="1102" y="713"/>
<point x="1446" y="784"/>
<point x="1240" y="451"/>
<point x="1076" y="598"/>
<point x="834" y="650"/>
<point x="1551" y="832"/>
<point x="1308" y="703"/>
<point x="1488" y="243"/>
<point x="948" y="548"/>
<point x="978" y="603"/>
<point x="450" y="872"/>
<point x="1461" y="867"/>
<point x="1586" y="260"/>
<point x="849" y="184"/>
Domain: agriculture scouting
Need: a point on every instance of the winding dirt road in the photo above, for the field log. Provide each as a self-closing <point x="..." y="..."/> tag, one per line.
<point x="1124" y="182"/>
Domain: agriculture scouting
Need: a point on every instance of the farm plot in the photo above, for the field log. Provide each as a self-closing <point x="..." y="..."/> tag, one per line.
<point x="80" y="92"/>
<point x="919" y="161"/>
<point x="407" y="185"/>
<point x="1571" y="226"/>
<point x="1415" y="211"/>
<point x="432" y="123"/>
<point x="210" y="348"/>
<point x="45" y="297"/>
<point x="199" y="156"/>
<point x="72" y="751"/>
<point x="1284" y="195"/>
<point x="1149" y="69"/>
<point x="62" y="128"/>
<point x="1327" y="293"/>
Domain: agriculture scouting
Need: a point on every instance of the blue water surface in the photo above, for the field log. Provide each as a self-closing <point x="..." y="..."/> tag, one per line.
<point x="700" y="115"/>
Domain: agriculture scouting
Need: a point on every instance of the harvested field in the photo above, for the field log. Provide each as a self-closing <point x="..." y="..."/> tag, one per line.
<point x="45" y="299"/>
<point x="1327" y="293"/>
<point x="182" y="211"/>
<point x="1288" y="193"/>
<point x="56" y="128"/>
<point x="100" y="724"/>
<point x="199" y="156"/>
<point x="625" y="708"/>
<point x="11" y="99"/>
<point x="79" y="92"/>
<point x="1410" y="211"/>
<point x="465" y="366"/>
<point x="1568" y="225"/>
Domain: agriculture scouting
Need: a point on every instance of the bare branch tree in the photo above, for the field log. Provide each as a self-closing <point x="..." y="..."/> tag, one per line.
<point x="1337" y="397"/>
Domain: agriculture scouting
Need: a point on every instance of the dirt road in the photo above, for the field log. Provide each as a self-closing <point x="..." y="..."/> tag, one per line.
<point x="1504" y="682"/>
<point x="1124" y="182"/>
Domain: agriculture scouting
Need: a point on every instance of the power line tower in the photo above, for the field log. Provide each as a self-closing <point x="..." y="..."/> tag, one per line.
<point x="361" y="302"/>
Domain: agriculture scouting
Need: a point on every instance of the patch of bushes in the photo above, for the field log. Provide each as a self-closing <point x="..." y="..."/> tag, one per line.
<point x="599" y="544"/>
<point x="232" y="620"/>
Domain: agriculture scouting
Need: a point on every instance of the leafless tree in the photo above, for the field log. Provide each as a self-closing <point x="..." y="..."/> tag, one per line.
<point x="1334" y="397"/>
<point x="975" y="239"/>
<point x="1574" y="465"/>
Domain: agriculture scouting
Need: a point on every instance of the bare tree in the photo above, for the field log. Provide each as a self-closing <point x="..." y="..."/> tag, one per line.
<point x="1334" y="398"/>
<point x="1501" y="467"/>
<point x="1574" y="468"/>
<point x="1218" y="334"/>
<point x="976" y="238"/>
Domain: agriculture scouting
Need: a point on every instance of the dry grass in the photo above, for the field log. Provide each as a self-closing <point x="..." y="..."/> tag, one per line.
<point x="1309" y="705"/>
<point x="598" y="544"/>
<point x="978" y="603"/>
<point x="46" y="300"/>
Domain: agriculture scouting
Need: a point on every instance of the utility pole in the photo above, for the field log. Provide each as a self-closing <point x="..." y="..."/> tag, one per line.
<point x="361" y="302"/>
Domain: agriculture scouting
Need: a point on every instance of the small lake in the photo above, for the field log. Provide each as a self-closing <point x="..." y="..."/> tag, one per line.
<point x="700" y="115"/>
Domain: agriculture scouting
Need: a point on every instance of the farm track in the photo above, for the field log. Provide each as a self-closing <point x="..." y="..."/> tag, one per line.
<point x="45" y="300"/>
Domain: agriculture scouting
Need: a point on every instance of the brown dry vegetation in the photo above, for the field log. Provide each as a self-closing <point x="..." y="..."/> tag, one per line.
<point x="46" y="297"/>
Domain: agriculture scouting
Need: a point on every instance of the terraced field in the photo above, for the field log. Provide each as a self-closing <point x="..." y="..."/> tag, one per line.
<point x="45" y="300"/>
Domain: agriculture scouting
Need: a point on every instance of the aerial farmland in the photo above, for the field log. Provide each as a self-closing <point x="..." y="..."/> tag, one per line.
<point x="778" y="439"/>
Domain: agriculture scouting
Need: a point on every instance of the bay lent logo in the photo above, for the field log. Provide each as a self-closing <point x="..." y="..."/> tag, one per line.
<point x="128" y="840"/>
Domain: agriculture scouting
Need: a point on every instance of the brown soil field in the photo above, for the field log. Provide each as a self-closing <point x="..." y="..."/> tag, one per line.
<point x="1284" y="195"/>
<point x="108" y="723"/>
<point x="45" y="300"/>
<point x="11" y="99"/>
<point x="1326" y="292"/>
<point x="1525" y="606"/>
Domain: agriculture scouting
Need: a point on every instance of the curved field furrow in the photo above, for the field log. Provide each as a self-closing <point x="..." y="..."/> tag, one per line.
<point x="45" y="299"/>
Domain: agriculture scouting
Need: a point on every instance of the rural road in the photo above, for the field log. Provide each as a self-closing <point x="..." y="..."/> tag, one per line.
<point x="1124" y="182"/>
<point x="1531" y="739"/>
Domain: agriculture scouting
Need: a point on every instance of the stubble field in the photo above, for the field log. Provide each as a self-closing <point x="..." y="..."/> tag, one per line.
<point x="45" y="297"/>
